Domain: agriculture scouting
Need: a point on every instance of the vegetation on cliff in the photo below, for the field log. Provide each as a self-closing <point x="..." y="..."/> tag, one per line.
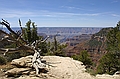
<point x="83" y="57"/>
<point x="104" y="49"/>
<point x="110" y="62"/>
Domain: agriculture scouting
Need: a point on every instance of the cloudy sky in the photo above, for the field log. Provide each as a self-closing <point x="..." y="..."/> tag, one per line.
<point x="62" y="13"/>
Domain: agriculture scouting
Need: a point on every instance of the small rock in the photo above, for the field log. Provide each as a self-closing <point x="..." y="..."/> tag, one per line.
<point x="18" y="71"/>
<point x="23" y="62"/>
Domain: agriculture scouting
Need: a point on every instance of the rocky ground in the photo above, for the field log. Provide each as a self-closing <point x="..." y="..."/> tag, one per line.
<point x="56" y="68"/>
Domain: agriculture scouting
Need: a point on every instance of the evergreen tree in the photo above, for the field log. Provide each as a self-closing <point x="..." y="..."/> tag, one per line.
<point x="113" y="39"/>
<point x="43" y="46"/>
<point x="55" y="48"/>
<point x="55" y="43"/>
<point x="84" y="57"/>
<point x="110" y="63"/>
<point x="34" y="32"/>
<point x="30" y="33"/>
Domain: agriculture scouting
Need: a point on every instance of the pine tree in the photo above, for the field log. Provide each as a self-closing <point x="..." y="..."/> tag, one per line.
<point x="84" y="57"/>
<point x="55" y="48"/>
<point x="30" y="33"/>
<point x="55" y="44"/>
<point x="34" y="32"/>
<point x="110" y="63"/>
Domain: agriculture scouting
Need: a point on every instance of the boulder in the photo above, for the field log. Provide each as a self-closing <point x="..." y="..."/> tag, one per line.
<point x="23" y="62"/>
<point x="18" y="71"/>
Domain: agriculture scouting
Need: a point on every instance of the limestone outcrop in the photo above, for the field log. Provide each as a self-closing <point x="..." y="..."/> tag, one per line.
<point x="23" y="62"/>
<point x="56" y="68"/>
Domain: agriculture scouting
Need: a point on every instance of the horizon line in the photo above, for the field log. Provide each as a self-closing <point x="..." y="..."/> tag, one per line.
<point x="64" y="26"/>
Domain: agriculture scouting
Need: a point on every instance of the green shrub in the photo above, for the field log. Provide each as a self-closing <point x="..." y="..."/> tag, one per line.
<point x="91" y="71"/>
<point x="83" y="57"/>
<point x="2" y="60"/>
<point x="108" y="64"/>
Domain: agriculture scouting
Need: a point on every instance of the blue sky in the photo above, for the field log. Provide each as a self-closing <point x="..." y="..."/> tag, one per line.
<point x="63" y="13"/>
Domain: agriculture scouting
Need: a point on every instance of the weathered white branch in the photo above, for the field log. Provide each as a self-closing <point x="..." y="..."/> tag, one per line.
<point x="23" y="45"/>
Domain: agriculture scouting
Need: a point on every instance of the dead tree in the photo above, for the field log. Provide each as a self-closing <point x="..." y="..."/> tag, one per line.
<point x="22" y="45"/>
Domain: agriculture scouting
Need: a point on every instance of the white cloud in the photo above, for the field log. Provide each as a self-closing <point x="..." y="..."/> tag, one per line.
<point x="115" y="15"/>
<point x="14" y="13"/>
<point x="114" y="1"/>
<point x="77" y="8"/>
<point x="70" y="7"/>
<point x="41" y="13"/>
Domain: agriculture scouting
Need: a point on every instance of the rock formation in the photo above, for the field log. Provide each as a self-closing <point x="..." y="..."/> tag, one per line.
<point x="56" y="68"/>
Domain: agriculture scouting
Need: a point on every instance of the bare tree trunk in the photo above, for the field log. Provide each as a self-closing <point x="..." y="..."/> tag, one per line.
<point x="37" y="62"/>
<point x="23" y="45"/>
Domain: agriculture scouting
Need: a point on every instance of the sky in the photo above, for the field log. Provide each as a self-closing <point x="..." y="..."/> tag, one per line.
<point x="61" y="13"/>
